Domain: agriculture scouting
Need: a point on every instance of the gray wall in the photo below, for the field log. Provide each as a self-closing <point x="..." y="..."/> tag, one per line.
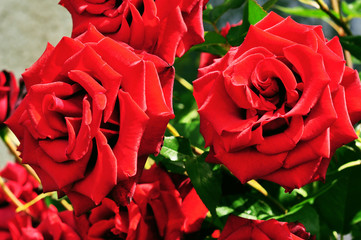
<point x="25" y="29"/>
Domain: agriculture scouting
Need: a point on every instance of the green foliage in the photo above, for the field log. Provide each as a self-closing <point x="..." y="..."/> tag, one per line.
<point x="212" y="14"/>
<point x="252" y="13"/>
<point x="206" y="180"/>
<point x="352" y="44"/>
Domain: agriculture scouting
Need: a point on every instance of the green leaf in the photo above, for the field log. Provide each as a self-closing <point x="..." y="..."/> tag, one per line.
<point x="174" y="153"/>
<point x="206" y="181"/>
<point x="306" y="215"/>
<point x="212" y="44"/>
<point x="352" y="44"/>
<point x="352" y="10"/>
<point x="212" y="14"/>
<point x="252" y="13"/>
<point x="340" y="204"/>
<point x="176" y="149"/>
<point x="303" y="12"/>
<point x="255" y="12"/>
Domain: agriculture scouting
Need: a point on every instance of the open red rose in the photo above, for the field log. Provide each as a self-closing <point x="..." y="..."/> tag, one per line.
<point x="159" y="210"/>
<point x="9" y="92"/>
<point x="93" y="108"/>
<point x="279" y="105"/>
<point x="166" y="28"/>
<point x="238" y="228"/>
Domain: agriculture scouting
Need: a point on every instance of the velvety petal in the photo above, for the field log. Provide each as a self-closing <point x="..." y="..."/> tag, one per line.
<point x="286" y="141"/>
<point x="309" y="150"/>
<point x="258" y="38"/>
<point x="321" y="117"/>
<point x="103" y="177"/>
<point x="157" y="110"/>
<point x="249" y="164"/>
<point x="202" y="87"/>
<point x="296" y="32"/>
<point x="268" y="21"/>
<point x="334" y="65"/>
<point x="219" y="106"/>
<point x="194" y="211"/>
<point x="352" y="85"/>
<point x="295" y="177"/>
<point x="309" y="66"/>
<point x="342" y="131"/>
<point x="169" y="36"/>
<point x="132" y="125"/>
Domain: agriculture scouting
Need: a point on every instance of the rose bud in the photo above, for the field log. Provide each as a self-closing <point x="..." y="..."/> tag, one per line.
<point x="9" y="92"/>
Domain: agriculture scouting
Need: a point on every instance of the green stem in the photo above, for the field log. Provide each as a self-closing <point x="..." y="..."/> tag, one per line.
<point x="184" y="83"/>
<point x="334" y="18"/>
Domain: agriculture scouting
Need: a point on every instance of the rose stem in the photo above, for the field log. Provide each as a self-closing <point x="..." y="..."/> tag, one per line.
<point x="11" y="196"/>
<point x="336" y="5"/>
<point x="175" y="133"/>
<point x="342" y="24"/>
<point x="184" y="83"/>
<point x="32" y="202"/>
<point x="65" y="204"/>
<point x="12" y="148"/>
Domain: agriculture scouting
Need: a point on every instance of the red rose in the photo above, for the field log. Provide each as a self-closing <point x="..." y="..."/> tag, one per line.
<point x="9" y="91"/>
<point x="51" y="225"/>
<point x="166" y="28"/>
<point x="241" y="228"/>
<point x="279" y="105"/>
<point x="159" y="210"/>
<point x="24" y="188"/>
<point x="94" y="106"/>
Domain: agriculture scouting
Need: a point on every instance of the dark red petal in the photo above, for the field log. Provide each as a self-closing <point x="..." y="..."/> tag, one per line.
<point x="103" y="177"/>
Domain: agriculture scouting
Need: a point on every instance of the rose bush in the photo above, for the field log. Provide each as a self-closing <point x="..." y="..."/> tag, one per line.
<point x="241" y="228"/>
<point x="279" y="105"/>
<point x="160" y="210"/>
<point x="95" y="109"/>
<point x="9" y="91"/>
<point x="164" y="28"/>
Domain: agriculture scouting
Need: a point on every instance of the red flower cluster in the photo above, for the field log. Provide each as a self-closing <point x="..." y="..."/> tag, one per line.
<point x="238" y="228"/>
<point x="159" y="210"/>
<point x="166" y="28"/>
<point x="279" y="105"/>
<point x="38" y="222"/>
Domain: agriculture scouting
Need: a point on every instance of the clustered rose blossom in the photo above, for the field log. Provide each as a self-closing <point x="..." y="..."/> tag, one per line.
<point x="166" y="28"/>
<point x="9" y="92"/>
<point x="238" y="228"/>
<point x="51" y="225"/>
<point x="38" y="222"/>
<point x="279" y="105"/>
<point x="95" y="109"/>
<point x="160" y="210"/>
